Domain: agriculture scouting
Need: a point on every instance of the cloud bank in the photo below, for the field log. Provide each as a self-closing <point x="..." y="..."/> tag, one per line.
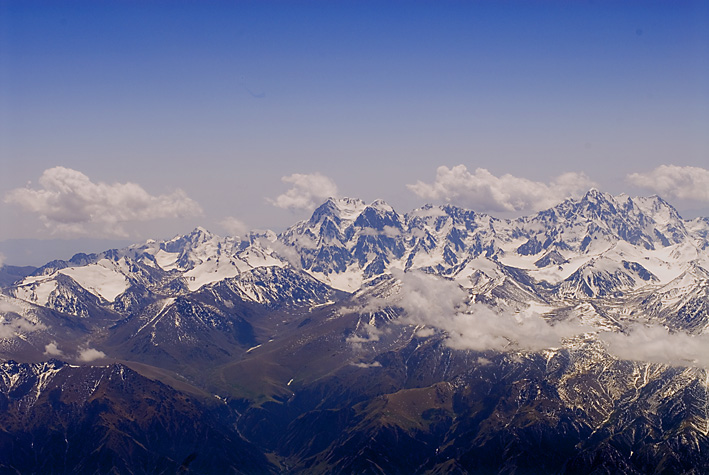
<point x="437" y="305"/>
<point x="655" y="344"/>
<point x="7" y="306"/>
<point x="672" y="181"/>
<point x="435" y="302"/>
<point x="13" y="323"/>
<point x="69" y="203"/>
<point x="12" y="327"/>
<point x="306" y="192"/>
<point x="483" y="191"/>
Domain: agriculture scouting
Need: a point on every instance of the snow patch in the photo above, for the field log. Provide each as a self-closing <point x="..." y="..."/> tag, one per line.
<point x="98" y="279"/>
<point x="210" y="271"/>
<point x="36" y="290"/>
<point x="349" y="280"/>
<point x="167" y="260"/>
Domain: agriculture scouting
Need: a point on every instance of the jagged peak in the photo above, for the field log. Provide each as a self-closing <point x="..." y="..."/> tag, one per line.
<point x="381" y="205"/>
<point x="594" y="195"/>
<point x="427" y="211"/>
<point x="259" y="235"/>
<point x="346" y="209"/>
<point x="199" y="230"/>
<point x="571" y="206"/>
<point x="649" y="205"/>
<point x="346" y="201"/>
<point x="656" y="202"/>
<point x="196" y="233"/>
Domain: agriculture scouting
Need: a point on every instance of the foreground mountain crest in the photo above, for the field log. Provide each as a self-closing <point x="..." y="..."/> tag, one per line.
<point x="361" y="336"/>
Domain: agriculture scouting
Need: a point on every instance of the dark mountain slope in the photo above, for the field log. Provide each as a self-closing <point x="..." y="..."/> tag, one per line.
<point x="57" y="418"/>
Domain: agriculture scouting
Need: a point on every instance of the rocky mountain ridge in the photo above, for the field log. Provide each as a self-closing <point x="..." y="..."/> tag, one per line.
<point x="480" y="344"/>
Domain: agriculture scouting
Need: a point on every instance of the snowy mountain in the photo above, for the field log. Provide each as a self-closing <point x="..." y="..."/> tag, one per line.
<point x="346" y="243"/>
<point x="633" y="259"/>
<point x="578" y="331"/>
<point x="551" y="245"/>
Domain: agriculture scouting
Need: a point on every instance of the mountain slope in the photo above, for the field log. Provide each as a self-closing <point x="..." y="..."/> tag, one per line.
<point x="365" y="340"/>
<point x="60" y="418"/>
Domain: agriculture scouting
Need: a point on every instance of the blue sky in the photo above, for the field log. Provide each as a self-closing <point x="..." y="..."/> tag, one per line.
<point x="222" y="100"/>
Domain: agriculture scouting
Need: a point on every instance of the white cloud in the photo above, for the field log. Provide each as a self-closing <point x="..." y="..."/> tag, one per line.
<point x="69" y="203"/>
<point x="672" y="181"/>
<point x="368" y="333"/>
<point x="376" y="364"/>
<point x="435" y="302"/>
<point x="440" y="303"/>
<point x="483" y="191"/>
<point x="90" y="354"/>
<point x="307" y="191"/>
<point x="234" y="226"/>
<point x="282" y="250"/>
<point x="9" y="307"/>
<point x="51" y="349"/>
<point x="13" y="326"/>
<point x="655" y="344"/>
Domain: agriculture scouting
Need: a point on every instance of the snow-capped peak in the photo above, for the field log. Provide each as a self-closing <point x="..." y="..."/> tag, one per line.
<point x="349" y="208"/>
<point x="341" y="209"/>
<point x="200" y="234"/>
<point x="347" y="242"/>
<point x="382" y="205"/>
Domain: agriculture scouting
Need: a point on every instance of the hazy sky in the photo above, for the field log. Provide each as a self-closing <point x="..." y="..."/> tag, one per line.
<point x="128" y="120"/>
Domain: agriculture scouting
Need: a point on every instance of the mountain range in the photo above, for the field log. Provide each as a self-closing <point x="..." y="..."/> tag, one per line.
<point x="367" y="341"/>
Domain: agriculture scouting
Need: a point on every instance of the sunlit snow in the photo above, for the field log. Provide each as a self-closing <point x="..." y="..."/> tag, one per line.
<point x="99" y="280"/>
<point x="36" y="289"/>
